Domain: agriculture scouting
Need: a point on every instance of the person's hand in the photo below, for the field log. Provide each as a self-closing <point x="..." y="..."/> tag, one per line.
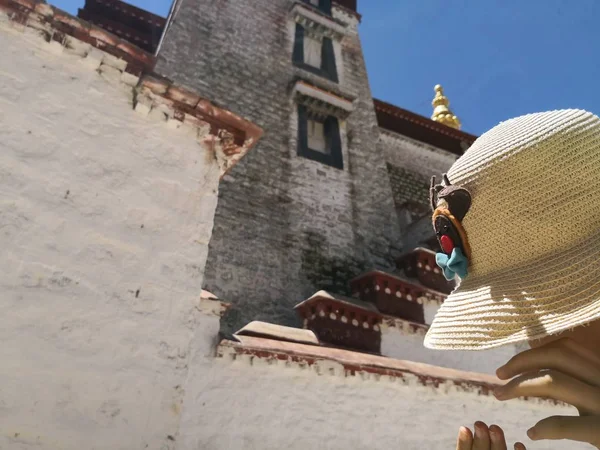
<point x="561" y="370"/>
<point x="484" y="438"/>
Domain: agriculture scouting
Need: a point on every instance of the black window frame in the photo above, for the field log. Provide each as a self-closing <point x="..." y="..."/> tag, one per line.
<point x="324" y="6"/>
<point x="328" y="67"/>
<point x="332" y="136"/>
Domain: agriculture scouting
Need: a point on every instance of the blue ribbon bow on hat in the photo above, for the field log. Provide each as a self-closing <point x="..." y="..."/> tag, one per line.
<point x="455" y="264"/>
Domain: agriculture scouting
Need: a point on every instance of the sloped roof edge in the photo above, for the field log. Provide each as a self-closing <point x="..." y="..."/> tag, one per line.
<point x="407" y="123"/>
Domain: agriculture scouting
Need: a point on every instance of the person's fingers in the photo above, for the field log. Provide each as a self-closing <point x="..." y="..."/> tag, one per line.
<point x="564" y="356"/>
<point x="497" y="439"/>
<point x="481" y="440"/>
<point x="555" y="385"/>
<point x="519" y="446"/>
<point x="582" y="429"/>
<point x="465" y="439"/>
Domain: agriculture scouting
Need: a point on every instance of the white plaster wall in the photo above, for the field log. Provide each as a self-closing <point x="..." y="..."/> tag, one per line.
<point x="105" y="217"/>
<point x="430" y="309"/>
<point x="402" y="345"/>
<point x="415" y="156"/>
<point x="234" y="405"/>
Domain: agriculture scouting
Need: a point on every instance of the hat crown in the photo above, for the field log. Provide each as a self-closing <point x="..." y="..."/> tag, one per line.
<point x="534" y="187"/>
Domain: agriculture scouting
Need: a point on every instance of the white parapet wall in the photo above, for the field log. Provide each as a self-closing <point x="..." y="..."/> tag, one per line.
<point x="105" y="217"/>
<point x="272" y="395"/>
<point x="404" y="340"/>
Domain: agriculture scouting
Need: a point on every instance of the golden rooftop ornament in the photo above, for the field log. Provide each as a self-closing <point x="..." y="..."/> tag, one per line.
<point x="441" y="110"/>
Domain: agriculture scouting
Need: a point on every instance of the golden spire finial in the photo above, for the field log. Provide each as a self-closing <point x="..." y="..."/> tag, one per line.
<point x="441" y="110"/>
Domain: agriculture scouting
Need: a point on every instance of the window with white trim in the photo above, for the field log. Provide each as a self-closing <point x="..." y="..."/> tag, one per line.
<point x="314" y="54"/>
<point x="319" y="138"/>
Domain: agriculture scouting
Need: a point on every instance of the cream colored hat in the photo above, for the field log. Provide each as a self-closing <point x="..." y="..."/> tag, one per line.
<point x="533" y="232"/>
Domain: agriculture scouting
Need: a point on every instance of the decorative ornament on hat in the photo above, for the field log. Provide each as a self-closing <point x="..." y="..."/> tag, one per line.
<point x="450" y="204"/>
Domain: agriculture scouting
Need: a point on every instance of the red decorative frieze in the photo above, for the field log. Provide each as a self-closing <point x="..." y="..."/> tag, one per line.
<point x="327" y="361"/>
<point x="55" y="24"/>
<point x="393" y="295"/>
<point x="422" y="129"/>
<point x="350" y="364"/>
<point x="184" y="102"/>
<point x="346" y="323"/>
<point x="226" y="135"/>
<point x="420" y="264"/>
<point x="404" y="326"/>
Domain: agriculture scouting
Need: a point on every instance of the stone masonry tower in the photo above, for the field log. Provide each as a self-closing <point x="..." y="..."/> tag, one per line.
<point x="311" y="207"/>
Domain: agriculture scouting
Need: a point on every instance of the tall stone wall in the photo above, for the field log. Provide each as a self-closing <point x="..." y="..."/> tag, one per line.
<point x="285" y="226"/>
<point x="410" y="166"/>
<point x="408" y="186"/>
<point x="421" y="159"/>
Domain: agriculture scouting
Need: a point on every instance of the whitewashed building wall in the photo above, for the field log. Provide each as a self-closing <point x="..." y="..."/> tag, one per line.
<point x="400" y="340"/>
<point x="105" y="218"/>
<point x="269" y="404"/>
<point x="403" y="344"/>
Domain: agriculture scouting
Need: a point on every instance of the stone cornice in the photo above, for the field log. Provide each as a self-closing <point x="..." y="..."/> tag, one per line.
<point x="321" y="101"/>
<point x="317" y="24"/>
<point x="409" y="291"/>
<point x="228" y="136"/>
<point x="343" y="10"/>
<point x="349" y="313"/>
<point x="302" y="75"/>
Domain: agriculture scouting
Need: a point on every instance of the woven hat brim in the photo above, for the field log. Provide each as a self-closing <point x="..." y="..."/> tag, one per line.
<point x="523" y="303"/>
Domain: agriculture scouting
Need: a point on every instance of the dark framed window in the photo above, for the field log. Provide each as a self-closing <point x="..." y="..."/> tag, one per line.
<point x="322" y="5"/>
<point x="315" y="56"/>
<point x="319" y="138"/>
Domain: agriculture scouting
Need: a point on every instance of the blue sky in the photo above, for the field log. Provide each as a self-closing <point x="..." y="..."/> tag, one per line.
<point x="496" y="59"/>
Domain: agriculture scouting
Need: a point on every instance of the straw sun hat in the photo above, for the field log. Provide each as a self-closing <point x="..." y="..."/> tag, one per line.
<point x="518" y="218"/>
